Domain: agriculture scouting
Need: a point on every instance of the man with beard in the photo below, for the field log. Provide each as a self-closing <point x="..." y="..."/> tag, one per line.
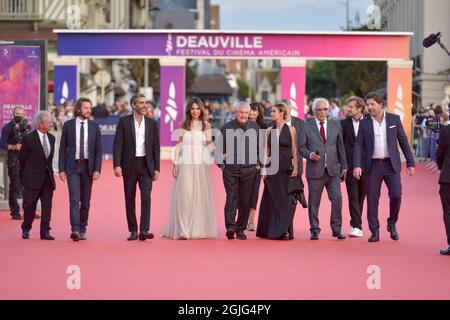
<point x="80" y="162"/>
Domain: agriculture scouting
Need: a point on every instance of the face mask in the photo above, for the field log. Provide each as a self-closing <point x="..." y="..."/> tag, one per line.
<point x="17" y="119"/>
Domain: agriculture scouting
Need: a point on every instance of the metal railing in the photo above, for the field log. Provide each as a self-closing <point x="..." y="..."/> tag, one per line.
<point x="22" y="10"/>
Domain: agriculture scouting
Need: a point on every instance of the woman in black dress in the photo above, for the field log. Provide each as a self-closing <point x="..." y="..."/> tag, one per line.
<point x="257" y="115"/>
<point x="276" y="213"/>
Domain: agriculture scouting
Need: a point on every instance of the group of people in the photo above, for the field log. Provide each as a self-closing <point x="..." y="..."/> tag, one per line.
<point x="361" y="150"/>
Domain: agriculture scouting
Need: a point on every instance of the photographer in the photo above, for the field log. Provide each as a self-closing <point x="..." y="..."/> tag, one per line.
<point x="11" y="140"/>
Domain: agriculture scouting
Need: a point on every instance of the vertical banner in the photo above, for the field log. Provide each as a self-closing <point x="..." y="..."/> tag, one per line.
<point x="400" y="92"/>
<point x="293" y="84"/>
<point x="66" y="84"/>
<point x="20" y="80"/>
<point x="108" y="128"/>
<point x="172" y="96"/>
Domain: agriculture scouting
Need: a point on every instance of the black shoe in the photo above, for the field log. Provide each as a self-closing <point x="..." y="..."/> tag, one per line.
<point x="375" y="237"/>
<point x="241" y="235"/>
<point x="314" y="235"/>
<point x="133" y="236"/>
<point x="37" y="216"/>
<point x="25" y="235"/>
<point x="393" y="231"/>
<point x="339" y="236"/>
<point x="83" y="236"/>
<point x="47" y="236"/>
<point x="445" y="252"/>
<point x="145" y="235"/>
<point x="16" y="216"/>
<point x="230" y="234"/>
<point x="75" y="236"/>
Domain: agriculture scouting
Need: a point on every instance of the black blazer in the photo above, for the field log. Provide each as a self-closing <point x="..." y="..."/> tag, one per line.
<point x="33" y="165"/>
<point x="443" y="155"/>
<point x="299" y="126"/>
<point x="349" y="140"/>
<point x="68" y="145"/>
<point x="364" y="144"/>
<point x="124" y="149"/>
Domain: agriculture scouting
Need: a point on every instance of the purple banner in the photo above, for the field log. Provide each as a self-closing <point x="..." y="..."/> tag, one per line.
<point x="20" y="80"/>
<point x="108" y="130"/>
<point x="171" y="102"/>
<point x="371" y="45"/>
<point x="66" y="84"/>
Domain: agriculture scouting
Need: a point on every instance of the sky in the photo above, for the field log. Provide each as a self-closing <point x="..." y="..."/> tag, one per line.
<point x="289" y="15"/>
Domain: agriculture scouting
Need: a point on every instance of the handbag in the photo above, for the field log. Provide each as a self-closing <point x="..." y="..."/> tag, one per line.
<point x="295" y="189"/>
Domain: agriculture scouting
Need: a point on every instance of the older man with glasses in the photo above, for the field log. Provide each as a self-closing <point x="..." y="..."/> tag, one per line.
<point x="326" y="166"/>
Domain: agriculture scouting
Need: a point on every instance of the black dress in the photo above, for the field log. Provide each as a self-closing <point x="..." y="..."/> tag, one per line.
<point x="276" y="212"/>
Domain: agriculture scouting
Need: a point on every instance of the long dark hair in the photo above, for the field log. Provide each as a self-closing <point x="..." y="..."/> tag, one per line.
<point x="187" y="122"/>
<point x="257" y="106"/>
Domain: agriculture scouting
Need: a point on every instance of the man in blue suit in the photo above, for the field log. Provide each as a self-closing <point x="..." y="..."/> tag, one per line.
<point x="80" y="162"/>
<point x="377" y="140"/>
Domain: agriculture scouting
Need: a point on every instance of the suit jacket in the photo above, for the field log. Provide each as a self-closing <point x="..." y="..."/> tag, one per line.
<point x="349" y="136"/>
<point x="332" y="151"/>
<point x="33" y="165"/>
<point x="299" y="126"/>
<point x="68" y="146"/>
<point x="443" y="155"/>
<point x="364" y="144"/>
<point x="124" y="149"/>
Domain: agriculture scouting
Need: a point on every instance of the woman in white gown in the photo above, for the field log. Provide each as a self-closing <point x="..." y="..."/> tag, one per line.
<point x="192" y="213"/>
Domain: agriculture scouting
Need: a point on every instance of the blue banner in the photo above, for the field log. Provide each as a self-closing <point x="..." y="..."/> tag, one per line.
<point x="65" y="84"/>
<point x="108" y="129"/>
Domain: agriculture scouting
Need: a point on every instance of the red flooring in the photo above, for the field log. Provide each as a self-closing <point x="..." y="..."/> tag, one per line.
<point x="112" y="268"/>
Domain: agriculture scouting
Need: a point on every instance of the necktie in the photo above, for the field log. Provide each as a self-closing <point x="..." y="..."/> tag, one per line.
<point x="45" y="146"/>
<point x="82" y="141"/>
<point x="322" y="132"/>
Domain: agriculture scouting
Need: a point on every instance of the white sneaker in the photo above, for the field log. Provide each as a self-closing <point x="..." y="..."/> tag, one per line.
<point x="356" y="233"/>
<point x="351" y="230"/>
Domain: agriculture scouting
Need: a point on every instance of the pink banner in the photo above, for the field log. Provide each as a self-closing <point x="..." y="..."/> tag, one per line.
<point x="293" y="86"/>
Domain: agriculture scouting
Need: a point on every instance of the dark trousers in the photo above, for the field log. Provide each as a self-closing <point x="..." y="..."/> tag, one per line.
<point x="239" y="183"/>
<point x="30" y="199"/>
<point x="445" y="199"/>
<point x="333" y="186"/>
<point x="143" y="178"/>
<point x="381" y="170"/>
<point x="356" y="192"/>
<point x="14" y="184"/>
<point x="80" y="189"/>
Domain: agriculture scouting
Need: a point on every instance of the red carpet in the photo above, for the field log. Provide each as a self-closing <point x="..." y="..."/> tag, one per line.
<point x="112" y="268"/>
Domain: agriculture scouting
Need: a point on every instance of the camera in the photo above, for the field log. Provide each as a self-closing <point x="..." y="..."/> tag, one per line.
<point x="22" y="130"/>
<point x="431" y="123"/>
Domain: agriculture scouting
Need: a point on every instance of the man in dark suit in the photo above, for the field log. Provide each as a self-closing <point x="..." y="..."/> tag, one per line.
<point x="326" y="166"/>
<point x="238" y="148"/>
<point x="36" y="172"/>
<point x="355" y="188"/>
<point x="443" y="162"/>
<point x="80" y="163"/>
<point x="136" y="155"/>
<point x="11" y="140"/>
<point x="377" y="141"/>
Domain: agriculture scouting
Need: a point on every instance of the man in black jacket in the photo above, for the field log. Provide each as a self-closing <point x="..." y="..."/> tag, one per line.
<point x="36" y="172"/>
<point x="355" y="188"/>
<point x="11" y="140"/>
<point x="136" y="155"/>
<point x="443" y="162"/>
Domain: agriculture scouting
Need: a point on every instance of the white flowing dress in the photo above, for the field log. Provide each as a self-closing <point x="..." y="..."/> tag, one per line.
<point x="192" y="213"/>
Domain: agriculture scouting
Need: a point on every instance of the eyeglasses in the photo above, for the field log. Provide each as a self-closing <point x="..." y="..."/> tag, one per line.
<point x="320" y="110"/>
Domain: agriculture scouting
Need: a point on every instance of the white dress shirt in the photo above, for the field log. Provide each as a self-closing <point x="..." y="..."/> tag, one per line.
<point x="140" y="137"/>
<point x="77" y="130"/>
<point x="43" y="136"/>
<point x="380" y="148"/>
<point x="324" y="126"/>
<point x="356" y="125"/>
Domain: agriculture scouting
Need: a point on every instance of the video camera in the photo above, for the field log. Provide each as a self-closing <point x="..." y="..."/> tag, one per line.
<point x="22" y="130"/>
<point x="431" y="123"/>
